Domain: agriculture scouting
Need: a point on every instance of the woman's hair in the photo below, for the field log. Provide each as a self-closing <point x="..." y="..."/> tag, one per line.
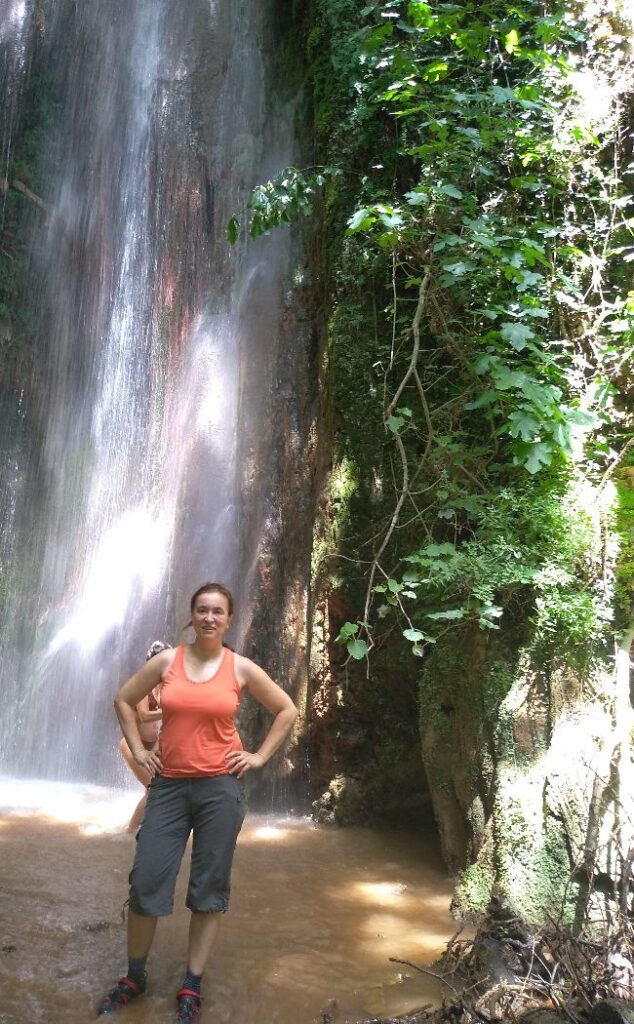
<point x="210" y="588"/>
<point x="156" y="648"/>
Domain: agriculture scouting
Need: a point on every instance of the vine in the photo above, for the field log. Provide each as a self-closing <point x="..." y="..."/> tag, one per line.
<point x="477" y="177"/>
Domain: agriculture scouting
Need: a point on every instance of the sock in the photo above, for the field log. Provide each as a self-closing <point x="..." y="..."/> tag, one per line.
<point x="192" y="982"/>
<point x="136" y="970"/>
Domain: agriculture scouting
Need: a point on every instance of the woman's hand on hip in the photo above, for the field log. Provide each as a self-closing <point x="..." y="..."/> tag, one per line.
<point x="150" y="760"/>
<point x="240" y="761"/>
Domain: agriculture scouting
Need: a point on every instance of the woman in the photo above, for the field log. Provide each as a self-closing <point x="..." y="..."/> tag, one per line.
<point x="194" y="787"/>
<point x="149" y="715"/>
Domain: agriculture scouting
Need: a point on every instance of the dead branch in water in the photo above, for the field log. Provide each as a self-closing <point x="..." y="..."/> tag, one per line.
<point x="498" y="976"/>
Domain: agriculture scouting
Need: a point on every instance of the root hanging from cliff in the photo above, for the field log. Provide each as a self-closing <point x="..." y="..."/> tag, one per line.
<point x="507" y="973"/>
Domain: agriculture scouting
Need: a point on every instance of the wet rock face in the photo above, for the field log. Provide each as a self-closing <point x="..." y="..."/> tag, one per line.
<point x="362" y="742"/>
<point x="278" y="443"/>
<point x="343" y="803"/>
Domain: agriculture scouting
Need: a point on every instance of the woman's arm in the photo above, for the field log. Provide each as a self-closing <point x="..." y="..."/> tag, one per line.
<point x="133" y="691"/>
<point x="144" y="712"/>
<point x="275" y="700"/>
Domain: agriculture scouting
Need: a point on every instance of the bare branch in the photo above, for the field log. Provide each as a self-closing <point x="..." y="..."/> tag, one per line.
<point x="19" y="186"/>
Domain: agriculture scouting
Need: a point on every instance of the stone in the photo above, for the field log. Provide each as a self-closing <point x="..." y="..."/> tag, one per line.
<point x="489" y="958"/>
<point x="612" y="1011"/>
<point x="543" y="1017"/>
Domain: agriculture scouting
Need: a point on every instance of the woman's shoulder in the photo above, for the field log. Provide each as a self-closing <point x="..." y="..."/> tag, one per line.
<point x="166" y="659"/>
<point x="242" y="667"/>
<point x="249" y="673"/>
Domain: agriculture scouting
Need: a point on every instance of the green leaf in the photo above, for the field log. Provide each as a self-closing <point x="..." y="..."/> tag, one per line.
<point x="484" y="362"/>
<point x="539" y="455"/>
<point x="517" y="334"/>
<point x="414" y="635"/>
<point x="349" y="629"/>
<point x="583" y="417"/>
<point x="486" y="398"/>
<point x="536" y="311"/>
<point x="233" y="230"/>
<point x="511" y="41"/>
<point x="436" y="71"/>
<point x="529" y="280"/>
<point x="486" y="623"/>
<point x="417" y="198"/>
<point x="459" y="269"/>
<point x="561" y="436"/>
<point x="434" y="550"/>
<point x="542" y="396"/>
<point x="523" y="425"/>
<point x="452" y="613"/>
<point x="394" y="423"/>
<point x="420" y="13"/>
<point x="506" y="379"/>
<point x="360" y="221"/>
<point x="501" y="95"/>
<point x="357" y="649"/>
<point x="492" y="611"/>
<point x="451" y="190"/>
<point x="391" y="220"/>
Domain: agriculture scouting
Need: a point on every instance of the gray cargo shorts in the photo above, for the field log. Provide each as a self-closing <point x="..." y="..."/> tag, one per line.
<point x="214" y="808"/>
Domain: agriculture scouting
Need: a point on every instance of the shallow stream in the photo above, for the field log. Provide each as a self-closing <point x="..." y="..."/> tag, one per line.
<point x="316" y="914"/>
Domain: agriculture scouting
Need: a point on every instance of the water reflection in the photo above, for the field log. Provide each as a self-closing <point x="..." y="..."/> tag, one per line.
<point x="272" y="833"/>
<point x="316" y="914"/>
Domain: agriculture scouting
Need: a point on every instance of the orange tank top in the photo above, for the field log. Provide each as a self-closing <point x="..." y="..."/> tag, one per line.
<point x="198" y="719"/>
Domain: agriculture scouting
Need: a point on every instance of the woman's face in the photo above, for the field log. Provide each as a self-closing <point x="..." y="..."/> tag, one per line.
<point x="210" y="616"/>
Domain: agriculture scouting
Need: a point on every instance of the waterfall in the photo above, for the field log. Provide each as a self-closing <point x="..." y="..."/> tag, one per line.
<point x="126" y="485"/>
<point x="15" y="23"/>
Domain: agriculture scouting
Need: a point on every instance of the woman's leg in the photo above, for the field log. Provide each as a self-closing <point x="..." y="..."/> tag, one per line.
<point x="136" y="820"/>
<point x="142" y="774"/>
<point x="144" y="778"/>
<point x="140" y="935"/>
<point x="159" y="850"/>
<point x="218" y="811"/>
<point x="203" y="933"/>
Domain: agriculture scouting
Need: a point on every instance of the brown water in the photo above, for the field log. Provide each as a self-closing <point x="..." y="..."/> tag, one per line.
<point x="316" y="914"/>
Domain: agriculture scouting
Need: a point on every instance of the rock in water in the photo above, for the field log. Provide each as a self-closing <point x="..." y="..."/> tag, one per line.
<point x="612" y="1011"/>
<point x="543" y="1017"/>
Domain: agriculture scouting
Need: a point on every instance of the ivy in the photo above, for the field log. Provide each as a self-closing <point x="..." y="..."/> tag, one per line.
<point x="486" y="197"/>
<point x="287" y="196"/>
<point x="482" y="322"/>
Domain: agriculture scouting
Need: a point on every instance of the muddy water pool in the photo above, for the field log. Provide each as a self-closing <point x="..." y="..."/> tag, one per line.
<point x="316" y="913"/>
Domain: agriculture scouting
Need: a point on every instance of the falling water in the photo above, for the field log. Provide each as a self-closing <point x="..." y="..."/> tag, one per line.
<point x="129" y="489"/>
<point x="15" y="23"/>
<point x="158" y="430"/>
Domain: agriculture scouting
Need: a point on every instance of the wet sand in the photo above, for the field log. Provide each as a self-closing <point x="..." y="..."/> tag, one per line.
<point x="315" y="915"/>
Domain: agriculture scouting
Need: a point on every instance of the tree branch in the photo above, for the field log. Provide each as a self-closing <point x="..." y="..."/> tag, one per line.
<point x="19" y="186"/>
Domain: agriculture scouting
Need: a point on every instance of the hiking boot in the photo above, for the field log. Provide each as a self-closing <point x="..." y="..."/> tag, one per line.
<point x="188" y="1006"/>
<point x="123" y="993"/>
